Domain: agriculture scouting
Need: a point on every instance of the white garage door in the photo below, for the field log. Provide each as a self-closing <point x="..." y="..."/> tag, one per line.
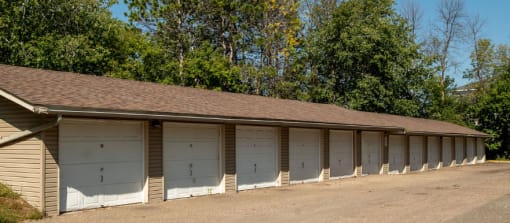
<point x="447" y="151"/>
<point x="101" y="163"/>
<point x="256" y="151"/>
<point x="304" y="155"/>
<point x="470" y="151"/>
<point x="416" y="153"/>
<point x="371" y="152"/>
<point x="433" y="152"/>
<point x="341" y="159"/>
<point x="480" y="151"/>
<point x="191" y="160"/>
<point x="396" y="154"/>
<point x="459" y="150"/>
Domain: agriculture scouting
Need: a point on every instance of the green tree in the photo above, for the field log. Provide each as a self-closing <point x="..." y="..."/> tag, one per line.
<point x="77" y="35"/>
<point x="255" y="42"/>
<point x="365" y="59"/>
<point x="493" y="112"/>
<point x="482" y="64"/>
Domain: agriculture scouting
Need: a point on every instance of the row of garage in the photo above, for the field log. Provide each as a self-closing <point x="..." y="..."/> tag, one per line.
<point x="71" y="142"/>
<point x="105" y="162"/>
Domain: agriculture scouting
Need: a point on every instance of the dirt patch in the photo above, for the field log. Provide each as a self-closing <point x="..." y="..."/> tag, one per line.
<point x="449" y="194"/>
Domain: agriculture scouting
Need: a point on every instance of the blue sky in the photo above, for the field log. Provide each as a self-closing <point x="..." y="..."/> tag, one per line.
<point x="495" y="12"/>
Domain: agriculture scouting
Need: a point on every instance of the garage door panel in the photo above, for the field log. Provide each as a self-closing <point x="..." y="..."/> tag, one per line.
<point x="256" y="157"/>
<point x="124" y="172"/>
<point x="447" y="151"/>
<point x="304" y="155"/>
<point x="341" y="153"/>
<point x="90" y="172"/>
<point x="178" y="188"/>
<point x="205" y="186"/>
<point x="459" y="150"/>
<point x="248" y="168"/>
<point x="433" y="152"/>
<point x="470" y="151"/>
<point x="205" y="150"/>
<point x="80" y="175"/>
<point x="76" y="153"/>
<point x="416" y="153"/>
<point x="176" y="168"/>
<point x="176" y="151"/>
<point x="371" y="152"/>
<point x="117" y="194"/>
<point x="206" y="168"/>
<point x="191" y="160"/>
<point x="480" y="151"/>
<point x="396" y="154"/>
<point x="129" y="151"/>
<point x="178" y="134"/>
<point x="91" y="196"/>
<point x="76" y="198"/>
<point x="77" y="130"/>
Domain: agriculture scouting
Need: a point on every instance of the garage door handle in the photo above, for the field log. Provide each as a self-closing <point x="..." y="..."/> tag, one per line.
<point x="302" y="164"/>
<point x="255" y="167"/>
<point x="101" y="178"/>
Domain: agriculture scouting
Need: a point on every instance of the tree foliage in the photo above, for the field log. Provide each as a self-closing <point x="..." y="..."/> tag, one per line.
<point x="76" y="35"/>
<point x="364" y="60"/>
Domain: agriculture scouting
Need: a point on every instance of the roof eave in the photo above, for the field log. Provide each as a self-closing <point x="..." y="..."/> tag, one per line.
<point x="19" y="101"/>
<point x="422" y="133"/>
<point x="82" y="112"/>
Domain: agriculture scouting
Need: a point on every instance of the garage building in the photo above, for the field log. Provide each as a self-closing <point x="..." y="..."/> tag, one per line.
<point x="72" y="142"/>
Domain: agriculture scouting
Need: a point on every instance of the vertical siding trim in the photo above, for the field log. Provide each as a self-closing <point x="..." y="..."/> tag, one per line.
<point x="43" y="173"/>
<point x="230" y="158"/>
<point x="156" y="181"/>
<point x="145" y="127"/>
<point x="284" y="155"/>
<point x="440" y="152"/>
<point x="51" y="140"/>
<point x="454" y="152"/>
<point x="357" y="152"/>
<point x="386" y="158"/>
<point x="425" y="153"/>
<point x="464" y="150"/>
<point x="325" y="156"/>
<point x="407" y="158"/>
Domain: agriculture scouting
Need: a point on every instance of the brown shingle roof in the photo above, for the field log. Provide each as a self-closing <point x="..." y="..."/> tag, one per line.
<point x="54" y="89"/>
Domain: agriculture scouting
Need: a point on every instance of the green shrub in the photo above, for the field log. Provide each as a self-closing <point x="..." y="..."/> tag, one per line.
<point x="7" y="192"/>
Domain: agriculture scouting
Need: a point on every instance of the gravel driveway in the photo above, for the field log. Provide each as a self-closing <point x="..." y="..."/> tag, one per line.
<point x="479" y="193"/>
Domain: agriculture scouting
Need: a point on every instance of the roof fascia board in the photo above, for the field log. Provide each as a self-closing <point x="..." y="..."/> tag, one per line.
<point x="18" y="101"/>
<point x="445" y="134"/>
<point x="191" y="118"/>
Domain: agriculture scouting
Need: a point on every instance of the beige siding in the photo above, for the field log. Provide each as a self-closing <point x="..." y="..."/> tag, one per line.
<point x="20" y="161"/>
<point x="386" y="151"/>
<point x="357" y="153"/>
<point x="51" y="171"/>
<point x="425" y="153"/>
<point x="230" y="158"/>
<point x="440" y="152"/>
<point x="464" y="149"/>
<point x="156" y="191"/>
<point x="284" y="155"/>
<point x="407" y="158"/>
<point x="325" y="152"/>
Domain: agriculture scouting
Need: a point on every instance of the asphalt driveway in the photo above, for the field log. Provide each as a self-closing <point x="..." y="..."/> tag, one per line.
<point x="479" y="193"/>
